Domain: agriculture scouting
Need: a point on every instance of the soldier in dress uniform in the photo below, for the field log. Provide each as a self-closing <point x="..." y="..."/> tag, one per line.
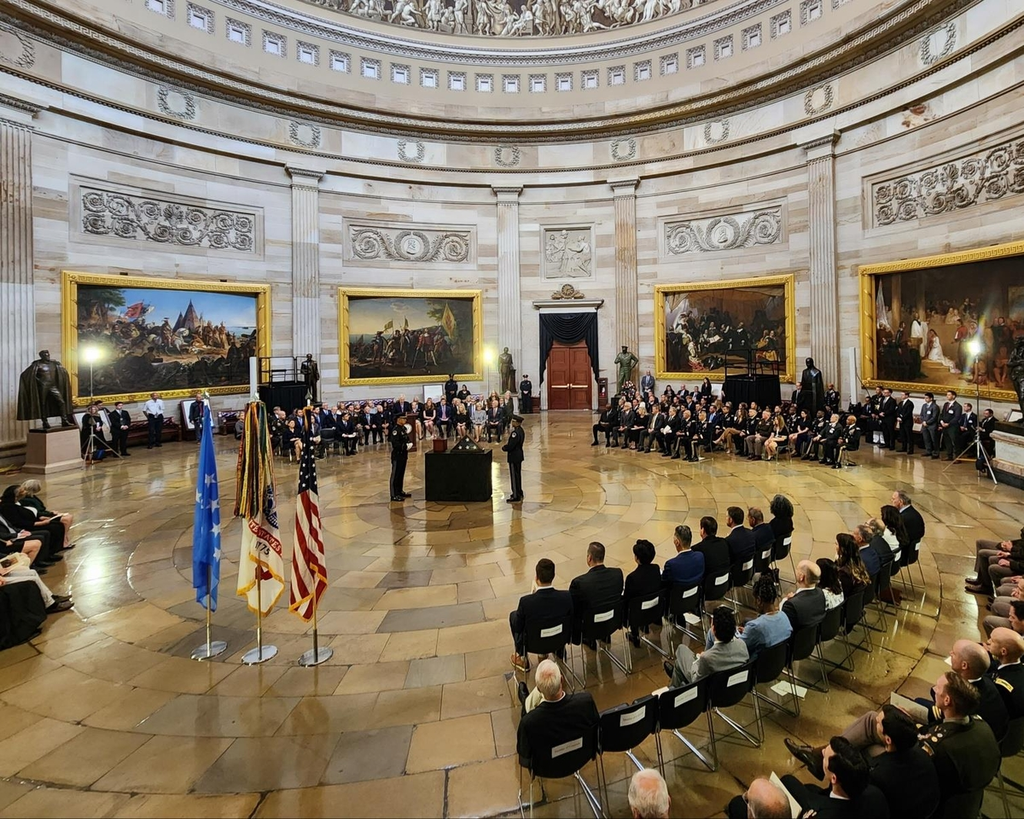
<point x="400" y="445"/>
<point x="1006" y="647"/>
<point x="514" y="448"/>
<point x="526" y="395"/>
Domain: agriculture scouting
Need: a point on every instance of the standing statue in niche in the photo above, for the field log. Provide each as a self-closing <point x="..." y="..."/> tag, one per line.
<point x="1016" y="368"/>
<point x="310" y="373"/>
<point x="812" y="389"/>
<point x="506" y="371"/>
<point x="625" y="361"/>
<point x="45" y="392"/>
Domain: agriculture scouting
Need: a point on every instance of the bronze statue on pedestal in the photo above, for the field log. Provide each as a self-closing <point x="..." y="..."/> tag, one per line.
<point x="45" y="391"/>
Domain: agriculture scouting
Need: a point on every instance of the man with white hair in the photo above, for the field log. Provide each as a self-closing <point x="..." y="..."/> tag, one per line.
<point x="648" y="795"/>
<point x="558" y="719"/>
<point x="763" y="800"/>
<point x="806" y="605"/>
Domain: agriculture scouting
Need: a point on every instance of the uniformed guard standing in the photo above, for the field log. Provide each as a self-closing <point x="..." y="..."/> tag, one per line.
<point x="514" y="448"/>
<point x="400" y="446"/>
<point x="526" y="395"/>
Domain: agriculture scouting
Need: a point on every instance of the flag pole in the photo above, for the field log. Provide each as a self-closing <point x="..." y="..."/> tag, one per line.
<point x="212" y="648"/>
<point x="261" y="653"/>
<point x="317" y="655"/>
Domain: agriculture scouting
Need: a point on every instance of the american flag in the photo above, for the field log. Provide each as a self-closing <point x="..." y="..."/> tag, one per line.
<point x="309" y="572"/>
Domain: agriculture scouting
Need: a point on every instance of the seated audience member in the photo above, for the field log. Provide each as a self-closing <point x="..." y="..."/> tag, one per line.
<point x="33" y="545"/>
<point x="849" y="441"/>
<point x="23" y="517"/>
<point x="1007" y="609"/>
<point x="904" y="773"/>
<point x="781" y="523"/>
<point x="291" y="438"/>
<point x="1006" y="648"/>
<point x="687" y="567"/>
<point x="995" y="562"/>
<point x="28" y="496"/>
<point x="816" y="440"/>
<point x="850" y="792"/>
<point x="862" y="536"/>
<point x="853" y="574"/>
<point x="543" y="603"/>
<point x="880" y="544"/>
<point x="740" y="538"/>
<point x="831" y="437"/>
<point x="14" y="571"/>
<point x="913" y="523"/>
<point x="726" y="651"/>
<point x="805" y="606"/>
<point x="829" y="583"/>
<point x="22" y="613"/>
<point x="714" y="548"/>
<point x="764" y="537"/>
<point x="599" y="586"/>
<point x="557" y="719"/>
<point x="971" y="661"/>
<point x="762" y="800"/>
<point x="643" y="581"/>
<point x="648" y="795"/>
<point x="962" y="746"/>
<point x="771" y="626"/>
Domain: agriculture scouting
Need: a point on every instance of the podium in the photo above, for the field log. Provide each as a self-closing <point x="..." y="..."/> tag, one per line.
<point x="455" y="477"/>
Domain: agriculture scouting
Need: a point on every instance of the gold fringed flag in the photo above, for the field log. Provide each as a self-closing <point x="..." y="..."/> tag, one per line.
<point x="448" y="321"/>
<point x="261" y="565"/>
<point x="309" y="569"/>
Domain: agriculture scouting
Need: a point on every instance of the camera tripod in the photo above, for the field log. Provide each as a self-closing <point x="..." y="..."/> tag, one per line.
<point x="90" y="448"/>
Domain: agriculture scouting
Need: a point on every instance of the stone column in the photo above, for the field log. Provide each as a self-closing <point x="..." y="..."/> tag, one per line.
<point x="510" y="312"/>
<point x="306" y="263"/>
<point x="18" y="328"/>
<point x="824" y="281"/>
<point x="627" y="320"/>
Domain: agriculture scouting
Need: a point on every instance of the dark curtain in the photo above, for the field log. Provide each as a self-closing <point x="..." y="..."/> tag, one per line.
<point x="567" y="328"/>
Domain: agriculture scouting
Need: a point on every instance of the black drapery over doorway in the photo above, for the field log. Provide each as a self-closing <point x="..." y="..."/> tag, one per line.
<point x="568" y="328"/>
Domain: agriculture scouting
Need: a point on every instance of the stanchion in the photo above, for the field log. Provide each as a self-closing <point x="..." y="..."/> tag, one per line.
<point x="211" y="648"/>
<point x="261" y="653"/>
<point x="316" y="655"/>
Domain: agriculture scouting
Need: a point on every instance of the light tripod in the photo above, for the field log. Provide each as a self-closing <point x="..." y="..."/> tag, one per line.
<point x="92" y="441"/>
<point x="980" y="453"/>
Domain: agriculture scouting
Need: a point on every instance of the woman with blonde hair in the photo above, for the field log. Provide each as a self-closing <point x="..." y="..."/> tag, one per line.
<point x="27" y="495"/>
<point x="780" y="434"/>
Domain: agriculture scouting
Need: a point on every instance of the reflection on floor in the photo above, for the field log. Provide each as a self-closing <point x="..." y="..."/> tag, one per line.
<point x="105" y="715"/>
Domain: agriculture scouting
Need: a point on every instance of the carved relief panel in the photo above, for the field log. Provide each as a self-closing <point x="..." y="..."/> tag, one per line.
<point x="751" y="226"/>
<point x="568" y="252"/>
<point x="403" y="243"/>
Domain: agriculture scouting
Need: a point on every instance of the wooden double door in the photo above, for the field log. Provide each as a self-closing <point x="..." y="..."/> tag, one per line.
<point x="569" y="377"/>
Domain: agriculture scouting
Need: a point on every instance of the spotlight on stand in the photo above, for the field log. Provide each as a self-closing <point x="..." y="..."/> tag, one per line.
<point x="974" y="347"/>
<point x="90" y="355"/>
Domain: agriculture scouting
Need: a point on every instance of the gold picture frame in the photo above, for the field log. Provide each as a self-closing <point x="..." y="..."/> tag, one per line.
<point x="872" y="275"/>
<point x="72" y="326"/>
<point x="785" y="283"/>
<point x="360" y="307"/>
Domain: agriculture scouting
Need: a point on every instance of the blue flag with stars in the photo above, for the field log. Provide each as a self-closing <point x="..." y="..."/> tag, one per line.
<point x="206" y="525"/>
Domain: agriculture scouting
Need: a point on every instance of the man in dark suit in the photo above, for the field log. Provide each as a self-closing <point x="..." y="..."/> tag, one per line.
<point x="714" y="548"/>
<point x="904" y="773"/>
<point x="451" y="388"/>
<point x="805" y="606"/>
<point x="862" y="535"/>
<point x="626" y="416"/>
<point x="687" y="567"/>
<point x="668" y="439"/>
<point x="526" y="395"/>
<point x="830" y="439"/>
<point x="740" y="538"/>
<point x="558" y="719"/>
<point x="913" y="523"/>
<point x="968" y="427"/>
<point x="887" y="410"/>
<point x="764" y="537"/>
<point x="120" y="420"/>
<point x="930" y="426"/>
<point x="655" y="421"/>
<point x="1006" y="647"/>
<point x="850" y="792"/>
<point x="643" y="582"/>
<point x="544" y="603"/>
<point x="195" y="416"/>
<point x="600" y="586"/>
<point x="949" y="425"/>
<point x="905" y="419"/>
<point x="514" y="448"/>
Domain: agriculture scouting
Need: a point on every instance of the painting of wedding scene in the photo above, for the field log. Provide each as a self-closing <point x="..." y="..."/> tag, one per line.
<point x="409" y="336"/>
<point x="147" y="336"/>
<point x="702" y="328"/>
<point x="949" y="322"/>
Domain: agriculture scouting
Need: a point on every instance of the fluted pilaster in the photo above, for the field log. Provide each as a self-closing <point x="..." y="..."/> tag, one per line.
<point x="305" y="261"/>
<point x="821" y="229"/>
<point x="627" y="320"/>
<point x="510" y="320"/>
<point x="18" y="328"/>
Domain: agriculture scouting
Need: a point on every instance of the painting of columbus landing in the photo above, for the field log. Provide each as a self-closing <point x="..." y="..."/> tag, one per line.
<point x="942" y="322"/>
<point x="173" y="337"/>
<point x="409" y="336"/>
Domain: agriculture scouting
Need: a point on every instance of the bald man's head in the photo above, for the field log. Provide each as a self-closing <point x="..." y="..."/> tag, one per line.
<point x="648" y="795"/>
<point x="767" y="801"/>
<point x="970" y="660"/>
<point x="1006" y="645"/>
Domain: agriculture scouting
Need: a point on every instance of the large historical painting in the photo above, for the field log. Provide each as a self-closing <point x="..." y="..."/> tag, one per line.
<point x="173" y="337"/>
<point x="409" y="336"/>
<point x="922" y="320"/>
<point x="702" y="328"/>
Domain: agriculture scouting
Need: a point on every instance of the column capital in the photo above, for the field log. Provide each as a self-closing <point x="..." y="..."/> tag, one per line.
<point x="18" y="111"/>
<point x="305" y="176"/>
<point x="821" y="147"/>
<point x="624" y="187"/>
<point x="507" y="193"/>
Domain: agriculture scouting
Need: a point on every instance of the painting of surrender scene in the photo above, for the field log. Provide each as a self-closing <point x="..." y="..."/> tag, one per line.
<point x="413" y="336"/>
<point x="148" y="337"/>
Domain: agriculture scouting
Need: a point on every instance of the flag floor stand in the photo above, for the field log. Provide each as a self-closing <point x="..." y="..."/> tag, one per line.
<point x="211" y="648"/>
<point x="261" y="653"/>
<point x="316" y="654"/>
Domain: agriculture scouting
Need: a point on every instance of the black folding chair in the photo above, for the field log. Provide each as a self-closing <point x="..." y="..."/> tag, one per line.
<point x="623" y="728"/>
<point x="715" y="587"/>
<point x="802" y="643"/>
<point x="328" y="442"/>
<point x="598" y="627"/>
<point x="911" y="556"/>
<point x="563" y="760"/>
<point x="784" y="548"/>
<point x="683" y="600"/>
<point x="642" y="613"/>
<point x="1010" y="745"/>
<point x="768" y="668"/>
<point x="879" y="583"/>
<point x="828" y="630"/>
<point x="740" y="573"/>
<point x="726" y="689"/>
<point x="550" y="636"/>
<point x="678" y="708"/>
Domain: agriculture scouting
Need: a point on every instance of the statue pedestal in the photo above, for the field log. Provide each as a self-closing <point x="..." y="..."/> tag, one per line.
<point x="54" y="450"/>
<point x="1008" y="463"/>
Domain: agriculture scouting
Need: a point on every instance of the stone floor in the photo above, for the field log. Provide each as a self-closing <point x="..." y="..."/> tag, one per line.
<point x="105" y="715"/>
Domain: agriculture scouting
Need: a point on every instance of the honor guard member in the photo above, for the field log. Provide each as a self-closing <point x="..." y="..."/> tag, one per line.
<point x="400" y="446"/>
<point x="514" y="448"/>
<point x="526" y="395"/>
